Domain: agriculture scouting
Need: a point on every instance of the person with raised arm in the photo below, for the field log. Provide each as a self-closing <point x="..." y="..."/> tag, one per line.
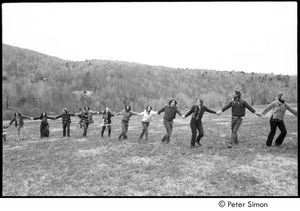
<point x="170" y="114"/>
<point x="66" y="121"/>
<point x="18" y="119"/>
<point x="127" y="113"/>
<point x="147" y="117"/>
<point x="196" y="121"/>
<point x="44" y="127"/>
<point x="279" y="107"/>
<point x="238" y="112"/>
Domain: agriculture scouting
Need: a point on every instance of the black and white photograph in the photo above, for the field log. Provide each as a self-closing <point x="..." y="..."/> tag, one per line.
<point x="150" y="99"/>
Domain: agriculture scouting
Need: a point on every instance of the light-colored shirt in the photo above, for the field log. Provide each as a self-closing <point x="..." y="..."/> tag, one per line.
<point x="147" y="117"/>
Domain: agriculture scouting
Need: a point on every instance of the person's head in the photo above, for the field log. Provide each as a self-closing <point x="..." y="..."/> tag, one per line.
<point x="17" y="114"/>
<point x="65" y="110"/>
<point x="148" y="108"/>
<point x="127" y="108"/>
<point x="172" y="103"/>
<point x="86" y="108"/>
<point x="44" y="114"/>
<point x="107" y="110"/>
<point x="236" y="95"/>
<point x="199" y="102"/>
<point x="281" y="97"/>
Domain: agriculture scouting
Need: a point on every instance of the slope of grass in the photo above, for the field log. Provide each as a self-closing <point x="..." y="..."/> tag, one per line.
<point x="95" y="166"/>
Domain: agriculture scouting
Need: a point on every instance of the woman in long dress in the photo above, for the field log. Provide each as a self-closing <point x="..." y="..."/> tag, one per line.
<point x="44" y="128"/>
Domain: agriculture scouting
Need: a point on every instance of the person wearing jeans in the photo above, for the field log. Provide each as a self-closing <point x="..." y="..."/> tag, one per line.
<point x="106" y="121"/>
<point x="279" y="107"/>
<point x="127" y="113"/>
<point x="66" y="121"/>
<point x="147" y="117"/>
<point x="238" y="112"/>
<point x="86" y="118"/>
<point x="196" y="121"/>
<point x="19" y="124"/>
<point x="170" y="114"/>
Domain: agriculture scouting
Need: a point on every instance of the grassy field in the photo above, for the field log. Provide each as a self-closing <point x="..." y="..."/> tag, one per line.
<point x="95" y="166"/>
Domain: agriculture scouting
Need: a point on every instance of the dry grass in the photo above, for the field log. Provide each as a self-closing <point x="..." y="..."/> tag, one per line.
<point x="95" y="166"/>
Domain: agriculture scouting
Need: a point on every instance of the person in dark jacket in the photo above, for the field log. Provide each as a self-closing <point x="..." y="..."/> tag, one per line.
<point x="238" y="111"/>
<point x="279" y="108"/>
<point x="66" y="121"/>
<point x="106" y="121"/>
<point x="19" y="124"/>
<point x="127" y="113"/>
<point x="44" y="128"/>
<point x="196" y="120"/>
<point x="170" y="114"/>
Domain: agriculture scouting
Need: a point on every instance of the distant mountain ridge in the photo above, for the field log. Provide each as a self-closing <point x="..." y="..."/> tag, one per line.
<point x="33" y="82"/>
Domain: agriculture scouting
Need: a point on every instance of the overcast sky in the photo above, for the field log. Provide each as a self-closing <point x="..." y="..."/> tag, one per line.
<point x="256" y="37"/>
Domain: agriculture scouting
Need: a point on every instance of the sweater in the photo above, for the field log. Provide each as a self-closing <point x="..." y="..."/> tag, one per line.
<point x="127" y="115"/>
<point x="170" y="112"/>
<point x="238" y="107"/>
<point x="147" y="117"/>
<point x="198" y="112"/>
<point x="279" y="109"/>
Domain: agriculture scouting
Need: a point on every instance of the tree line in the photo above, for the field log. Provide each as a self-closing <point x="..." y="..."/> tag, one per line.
<point x="33" y="83"/>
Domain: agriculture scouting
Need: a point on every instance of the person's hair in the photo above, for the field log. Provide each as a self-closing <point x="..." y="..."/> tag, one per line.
<point x="104" y="112"/>
<point x="238" y="94"/>
<point x="15" y="114"/>
<point x="149" y="110"/>
<point x="172" y="101"/>
<point x="201" y="101"/>
<point x="129" y="108"/>
<point x="279" y="96"/>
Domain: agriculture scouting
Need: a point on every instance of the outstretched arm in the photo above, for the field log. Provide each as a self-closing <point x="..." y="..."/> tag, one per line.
<point x="135" y="113"/>
<point x="288" y="107"/>
<point x="59" y="116"/>
<point x="189" y="112"/>
<point x="119" y="113"/>
<point x="161" y="110"/>
<point x="11" y="121"/>
<point x="209" y="110"/>
<point x="268" y="108"/>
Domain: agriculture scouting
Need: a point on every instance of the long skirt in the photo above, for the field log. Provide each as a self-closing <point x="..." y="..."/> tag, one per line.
<point x="44" y="129"/>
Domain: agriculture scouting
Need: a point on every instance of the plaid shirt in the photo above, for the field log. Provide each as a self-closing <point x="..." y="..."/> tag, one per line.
<point x="66" y="118"/>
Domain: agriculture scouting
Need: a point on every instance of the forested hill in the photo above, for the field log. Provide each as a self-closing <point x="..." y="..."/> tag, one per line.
<point x="33" y="83"/>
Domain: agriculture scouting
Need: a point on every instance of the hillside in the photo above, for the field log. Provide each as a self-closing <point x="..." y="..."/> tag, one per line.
<point x="33" y="83"/>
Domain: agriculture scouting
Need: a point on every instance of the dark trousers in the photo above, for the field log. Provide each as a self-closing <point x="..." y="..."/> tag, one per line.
<point x="169" y="129"/>
<point x="103" y="129"/>
<point x="85" y="128"/>
<point x="235" y="125"/>
<point x="196" y="125"/>
<point x="125" y="125"/>
<point x="145" y="130"/>
<point x="66" y="128"/>
<point x="274" y="123"/>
